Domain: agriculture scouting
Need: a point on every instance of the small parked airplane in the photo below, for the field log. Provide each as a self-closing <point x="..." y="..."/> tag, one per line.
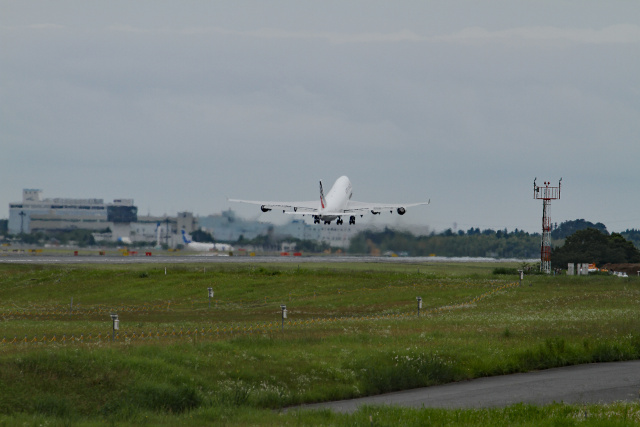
<point x="335" y="205"/>
<point x="199" y="246"/>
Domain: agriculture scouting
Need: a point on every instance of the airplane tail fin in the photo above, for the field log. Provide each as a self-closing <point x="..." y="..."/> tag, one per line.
<point x="323" y="203"/>
<point x="184" y="237"/>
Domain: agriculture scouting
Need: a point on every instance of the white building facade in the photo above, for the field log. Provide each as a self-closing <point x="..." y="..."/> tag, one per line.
<point x="34" y="213"/>
<point x="81" y="213"/>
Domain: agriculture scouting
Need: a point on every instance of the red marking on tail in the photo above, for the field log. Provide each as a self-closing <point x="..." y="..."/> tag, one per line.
<point x="322" y="200"/>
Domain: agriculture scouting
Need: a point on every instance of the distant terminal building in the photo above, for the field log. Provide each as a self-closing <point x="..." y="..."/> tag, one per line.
<point x="35" y="213"/>
<point x="228" y="227"/>
<point x="337" y="236"/>
<point x="161" y="230"/>
<point x="116" y="221"/>
<point x="63" y="214"/>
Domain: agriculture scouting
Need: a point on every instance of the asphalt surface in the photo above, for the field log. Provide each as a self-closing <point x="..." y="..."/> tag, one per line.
<point x="592" y="383"/>
<point x="9" y="258"/>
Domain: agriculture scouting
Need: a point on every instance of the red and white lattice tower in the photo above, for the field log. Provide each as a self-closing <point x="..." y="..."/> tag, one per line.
<point x="546" y="194"/>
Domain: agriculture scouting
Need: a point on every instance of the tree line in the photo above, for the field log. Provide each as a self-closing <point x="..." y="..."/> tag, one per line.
<point x="500" y="243"/>
<point x="472" y="243"/>
<point x="595" y="246"/>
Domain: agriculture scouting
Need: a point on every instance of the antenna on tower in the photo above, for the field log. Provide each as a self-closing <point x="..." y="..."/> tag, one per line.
<point x="546" y="194"/>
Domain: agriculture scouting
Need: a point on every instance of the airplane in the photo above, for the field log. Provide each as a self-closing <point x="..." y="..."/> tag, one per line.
<point x="334" y="206"/>
<point x="199" y="246"/>
<point x="124" y="240"/>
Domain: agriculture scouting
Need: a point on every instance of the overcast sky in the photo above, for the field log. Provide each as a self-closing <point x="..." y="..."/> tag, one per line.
<point x="181" y="104"/>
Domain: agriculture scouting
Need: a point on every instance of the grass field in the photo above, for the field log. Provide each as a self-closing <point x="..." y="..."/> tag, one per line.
<point x="352" y="330"/>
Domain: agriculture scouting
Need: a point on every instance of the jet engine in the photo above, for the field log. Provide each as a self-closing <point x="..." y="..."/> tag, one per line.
<point x="264" y="209"/>
<point x="402" y="211"/>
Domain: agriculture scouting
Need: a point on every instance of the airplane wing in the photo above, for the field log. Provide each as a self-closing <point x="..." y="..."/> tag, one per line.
<point x="297" y="207"/>
<point x="354" y="206"/>
<point x="337" y="206"/>
<point x="361" y="207"/>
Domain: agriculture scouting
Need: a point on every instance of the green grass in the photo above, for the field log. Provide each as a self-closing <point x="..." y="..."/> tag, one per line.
<point x="365" y="338"/>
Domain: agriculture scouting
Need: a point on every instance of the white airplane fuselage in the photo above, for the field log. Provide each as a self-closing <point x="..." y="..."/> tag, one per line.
<point x="208" y="247"/>
<point x="336" y="199"/>
<point x="200" y="246"/>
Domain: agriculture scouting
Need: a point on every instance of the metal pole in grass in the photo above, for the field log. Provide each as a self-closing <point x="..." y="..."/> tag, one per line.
<point x="419" y="299"/>
<point x="284" y="315"/>
<point x="210" y="295"/>
<point x="116" y="325"/>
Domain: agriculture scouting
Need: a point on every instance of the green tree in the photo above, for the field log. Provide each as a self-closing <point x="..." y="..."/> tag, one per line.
<point x="202" y="236"/>
<point x="568" y="228"/>
<point x="594" y="246"/>
<point x="501" y="244"/>
<point x="32" y="238"/>
<point x="633" y="235"/>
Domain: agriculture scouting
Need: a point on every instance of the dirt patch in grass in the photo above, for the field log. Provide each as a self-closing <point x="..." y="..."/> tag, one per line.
<point x="630" y="269"/>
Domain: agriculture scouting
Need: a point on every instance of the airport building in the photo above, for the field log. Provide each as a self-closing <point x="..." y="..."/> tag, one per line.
<point x="337" y="236"/>
<point x="34" y="213"/>
<point x="119" y="221"/>
<point x="227" y="227"/>
<point x="159" y="230"/>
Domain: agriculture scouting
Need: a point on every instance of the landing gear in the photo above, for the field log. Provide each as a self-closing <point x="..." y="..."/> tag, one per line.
<point x="339" y="220"/>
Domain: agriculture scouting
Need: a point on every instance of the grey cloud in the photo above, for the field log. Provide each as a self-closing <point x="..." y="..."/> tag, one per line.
<point x="180" y="109"/>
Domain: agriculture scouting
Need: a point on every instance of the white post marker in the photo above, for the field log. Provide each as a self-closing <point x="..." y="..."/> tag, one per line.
<point x="116" y="325"/>
<point x="521" y="276"/>
<point x="284" y="314"/>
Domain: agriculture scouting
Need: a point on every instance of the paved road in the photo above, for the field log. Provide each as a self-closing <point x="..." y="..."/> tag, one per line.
<point x="592" y="383"/>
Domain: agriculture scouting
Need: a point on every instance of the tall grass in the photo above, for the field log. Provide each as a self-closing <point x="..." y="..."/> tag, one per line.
<point x="385" y="372"/>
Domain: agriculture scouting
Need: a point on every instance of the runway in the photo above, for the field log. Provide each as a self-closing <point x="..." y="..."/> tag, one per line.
<point x="212" y="258"/>
<point x="591" y="383"/>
